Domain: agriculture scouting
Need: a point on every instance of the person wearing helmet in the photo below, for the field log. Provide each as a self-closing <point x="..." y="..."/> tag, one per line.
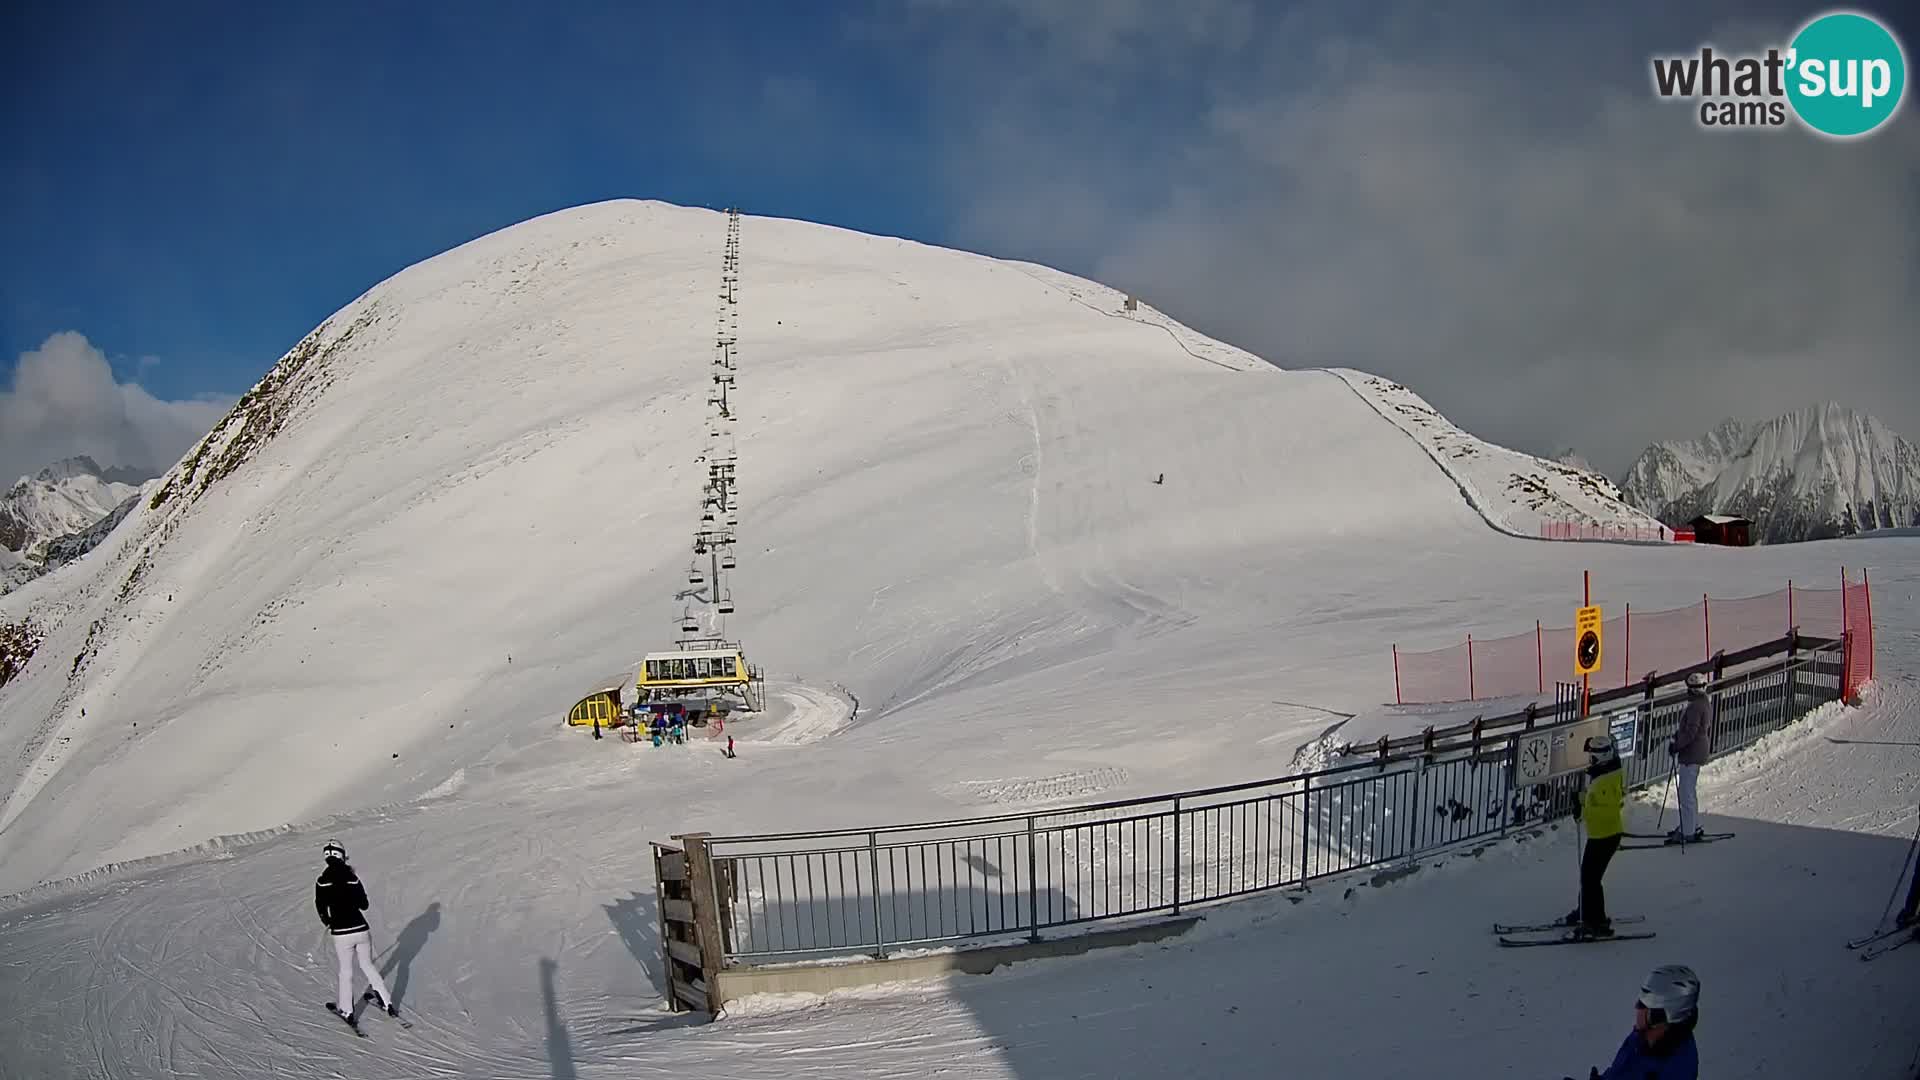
<point x="1690" y="748"/>
<point x="1602" y="811"/>
<point x="1660" y="1046"/>
<point x="340" y="899"/>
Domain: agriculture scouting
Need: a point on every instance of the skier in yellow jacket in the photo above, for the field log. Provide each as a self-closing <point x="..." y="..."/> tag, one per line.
<point x="1602" y="810"/>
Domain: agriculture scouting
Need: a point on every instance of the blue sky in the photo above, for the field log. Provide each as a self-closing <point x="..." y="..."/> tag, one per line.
<point x="194" y="186"/>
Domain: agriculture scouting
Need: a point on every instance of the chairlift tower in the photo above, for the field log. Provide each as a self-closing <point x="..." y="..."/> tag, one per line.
<point x="719" y="504"/>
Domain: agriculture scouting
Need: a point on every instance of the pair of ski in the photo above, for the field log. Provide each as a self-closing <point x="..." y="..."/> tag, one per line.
<point x="1885" y="941"/>
<point x="354" y="1021"/>
<point x="1564" y="934"/>
<point x="1666" y="840"/>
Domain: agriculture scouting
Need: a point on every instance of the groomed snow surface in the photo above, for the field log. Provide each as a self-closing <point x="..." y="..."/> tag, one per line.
<point x="949" y="514"/>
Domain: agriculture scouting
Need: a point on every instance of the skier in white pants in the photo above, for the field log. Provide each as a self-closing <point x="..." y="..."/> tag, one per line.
<point x="340" y="899"/>
<point x="1692" y="745"/>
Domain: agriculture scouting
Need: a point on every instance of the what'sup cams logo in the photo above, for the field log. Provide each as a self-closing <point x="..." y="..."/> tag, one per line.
<point x="1844" y="75"/>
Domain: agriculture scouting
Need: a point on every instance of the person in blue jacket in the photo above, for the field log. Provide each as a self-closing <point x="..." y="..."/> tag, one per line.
<point x="1660" y="1046"/>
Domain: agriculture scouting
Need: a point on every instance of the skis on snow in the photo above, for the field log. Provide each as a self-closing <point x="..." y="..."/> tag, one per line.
<point x="1884" y="942"/>
<point x="1558" y="924"/>
<point x="1665" y="841"/>
<point x="348" y="1017"/>
<point x="370" y="998"/>
<point x="1562" y="934"/>
<point x="1569" y="937"/>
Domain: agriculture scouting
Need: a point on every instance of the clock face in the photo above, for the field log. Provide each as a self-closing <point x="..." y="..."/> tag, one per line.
<point x="1534" y="758"/>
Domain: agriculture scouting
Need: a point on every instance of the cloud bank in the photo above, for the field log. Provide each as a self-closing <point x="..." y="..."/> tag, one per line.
<point x="66" y="401"/>
<point x="1493" y="209"/>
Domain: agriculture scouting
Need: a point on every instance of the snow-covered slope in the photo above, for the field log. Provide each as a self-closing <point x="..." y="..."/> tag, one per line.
<point x="360" y="609"/>
<point x="66" y="498"/>
<point x="514" y="918"/>
<point x="1517" y="493"/>
<point x="1818" y="472"/>
<point x="473" y="489"/>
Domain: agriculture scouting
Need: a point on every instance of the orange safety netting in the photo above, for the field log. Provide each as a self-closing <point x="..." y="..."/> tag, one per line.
<point x="1856" y="606"/>
<point x="1639" y="642"/>
<point x="1586" y="530"/>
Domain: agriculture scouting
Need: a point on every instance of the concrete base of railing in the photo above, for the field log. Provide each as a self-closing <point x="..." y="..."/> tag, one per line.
<point x="735" y="983"/>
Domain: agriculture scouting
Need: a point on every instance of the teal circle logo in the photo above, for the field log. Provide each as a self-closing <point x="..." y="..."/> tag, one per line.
<point x="1846" y="74"/>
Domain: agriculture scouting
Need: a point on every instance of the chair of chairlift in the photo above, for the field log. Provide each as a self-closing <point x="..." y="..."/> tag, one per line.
<point x="726" y="562"/>
<point x="726" y="606"/>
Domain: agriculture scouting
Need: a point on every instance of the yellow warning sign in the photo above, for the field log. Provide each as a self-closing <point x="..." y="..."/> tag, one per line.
<point x="1586" y="641"/>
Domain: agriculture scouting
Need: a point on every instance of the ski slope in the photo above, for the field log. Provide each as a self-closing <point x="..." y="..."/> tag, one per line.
<point x="520" y="939"/>
<point x="474" y="495"/>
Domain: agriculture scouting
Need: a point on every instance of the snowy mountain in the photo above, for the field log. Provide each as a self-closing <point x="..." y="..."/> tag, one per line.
<point x="44" y="516"/>
<point x="1817" y="472"/>
<point x="1055" y="547"/>
<point x="1517" y="493"/>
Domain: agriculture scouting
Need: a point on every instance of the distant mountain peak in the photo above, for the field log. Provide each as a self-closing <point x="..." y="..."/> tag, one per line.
<point x="42" y="514"/>
<point x="1821" y="470"/>
<point x="79" y="465"/>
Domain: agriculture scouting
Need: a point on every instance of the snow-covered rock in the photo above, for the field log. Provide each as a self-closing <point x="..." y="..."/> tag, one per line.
<point x="1517" y="493"/>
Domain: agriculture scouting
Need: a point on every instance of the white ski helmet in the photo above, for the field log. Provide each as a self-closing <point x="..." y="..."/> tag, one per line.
<point x="1599" y="747"/>
<point x="1697" y="681"/>
<point x="1671" y="994"/>
<point x="333" y="850"/>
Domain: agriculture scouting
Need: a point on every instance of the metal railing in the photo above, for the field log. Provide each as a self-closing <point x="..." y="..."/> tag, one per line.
<point x="794" y="896"/>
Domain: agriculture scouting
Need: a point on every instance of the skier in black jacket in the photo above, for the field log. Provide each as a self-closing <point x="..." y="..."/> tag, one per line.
<point x="340" y="898"/>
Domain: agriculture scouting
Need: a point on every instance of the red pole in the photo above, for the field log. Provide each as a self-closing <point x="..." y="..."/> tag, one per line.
<point x="1396" y="675"/>
<point x="1706" y="614"/>
<point x="1539" y="661"/>
<point x="1866" y="591"/>
<point x="1790" y="623"/>
<point x="1470" y="690"/>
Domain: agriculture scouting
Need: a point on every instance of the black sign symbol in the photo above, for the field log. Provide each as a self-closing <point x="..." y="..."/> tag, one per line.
<point x="1589" y="653"/>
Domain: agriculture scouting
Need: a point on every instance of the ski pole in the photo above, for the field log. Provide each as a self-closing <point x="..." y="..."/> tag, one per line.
<point x="1662" y="819"/>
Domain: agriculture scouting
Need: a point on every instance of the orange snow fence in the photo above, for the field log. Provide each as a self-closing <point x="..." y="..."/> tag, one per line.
<point x="1637" y="642"/>
<point x="1856" y="608"/>
<point x="1588" y="530"/>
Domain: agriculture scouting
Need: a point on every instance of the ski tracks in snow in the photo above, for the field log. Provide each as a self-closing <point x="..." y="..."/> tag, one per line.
<point x="812" y="715"/>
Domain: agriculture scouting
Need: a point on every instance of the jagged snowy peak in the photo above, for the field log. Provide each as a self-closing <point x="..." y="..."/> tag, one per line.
<point x="81" y="466"/>
<point x="1819" y="471"/>
<point x="66" y="497"/>
<point x="1669" y="471"/>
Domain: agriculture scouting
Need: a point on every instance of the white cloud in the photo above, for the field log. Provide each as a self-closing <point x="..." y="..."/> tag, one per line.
<point x="1510" y="224"/>
<point x="65" y="401"/>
